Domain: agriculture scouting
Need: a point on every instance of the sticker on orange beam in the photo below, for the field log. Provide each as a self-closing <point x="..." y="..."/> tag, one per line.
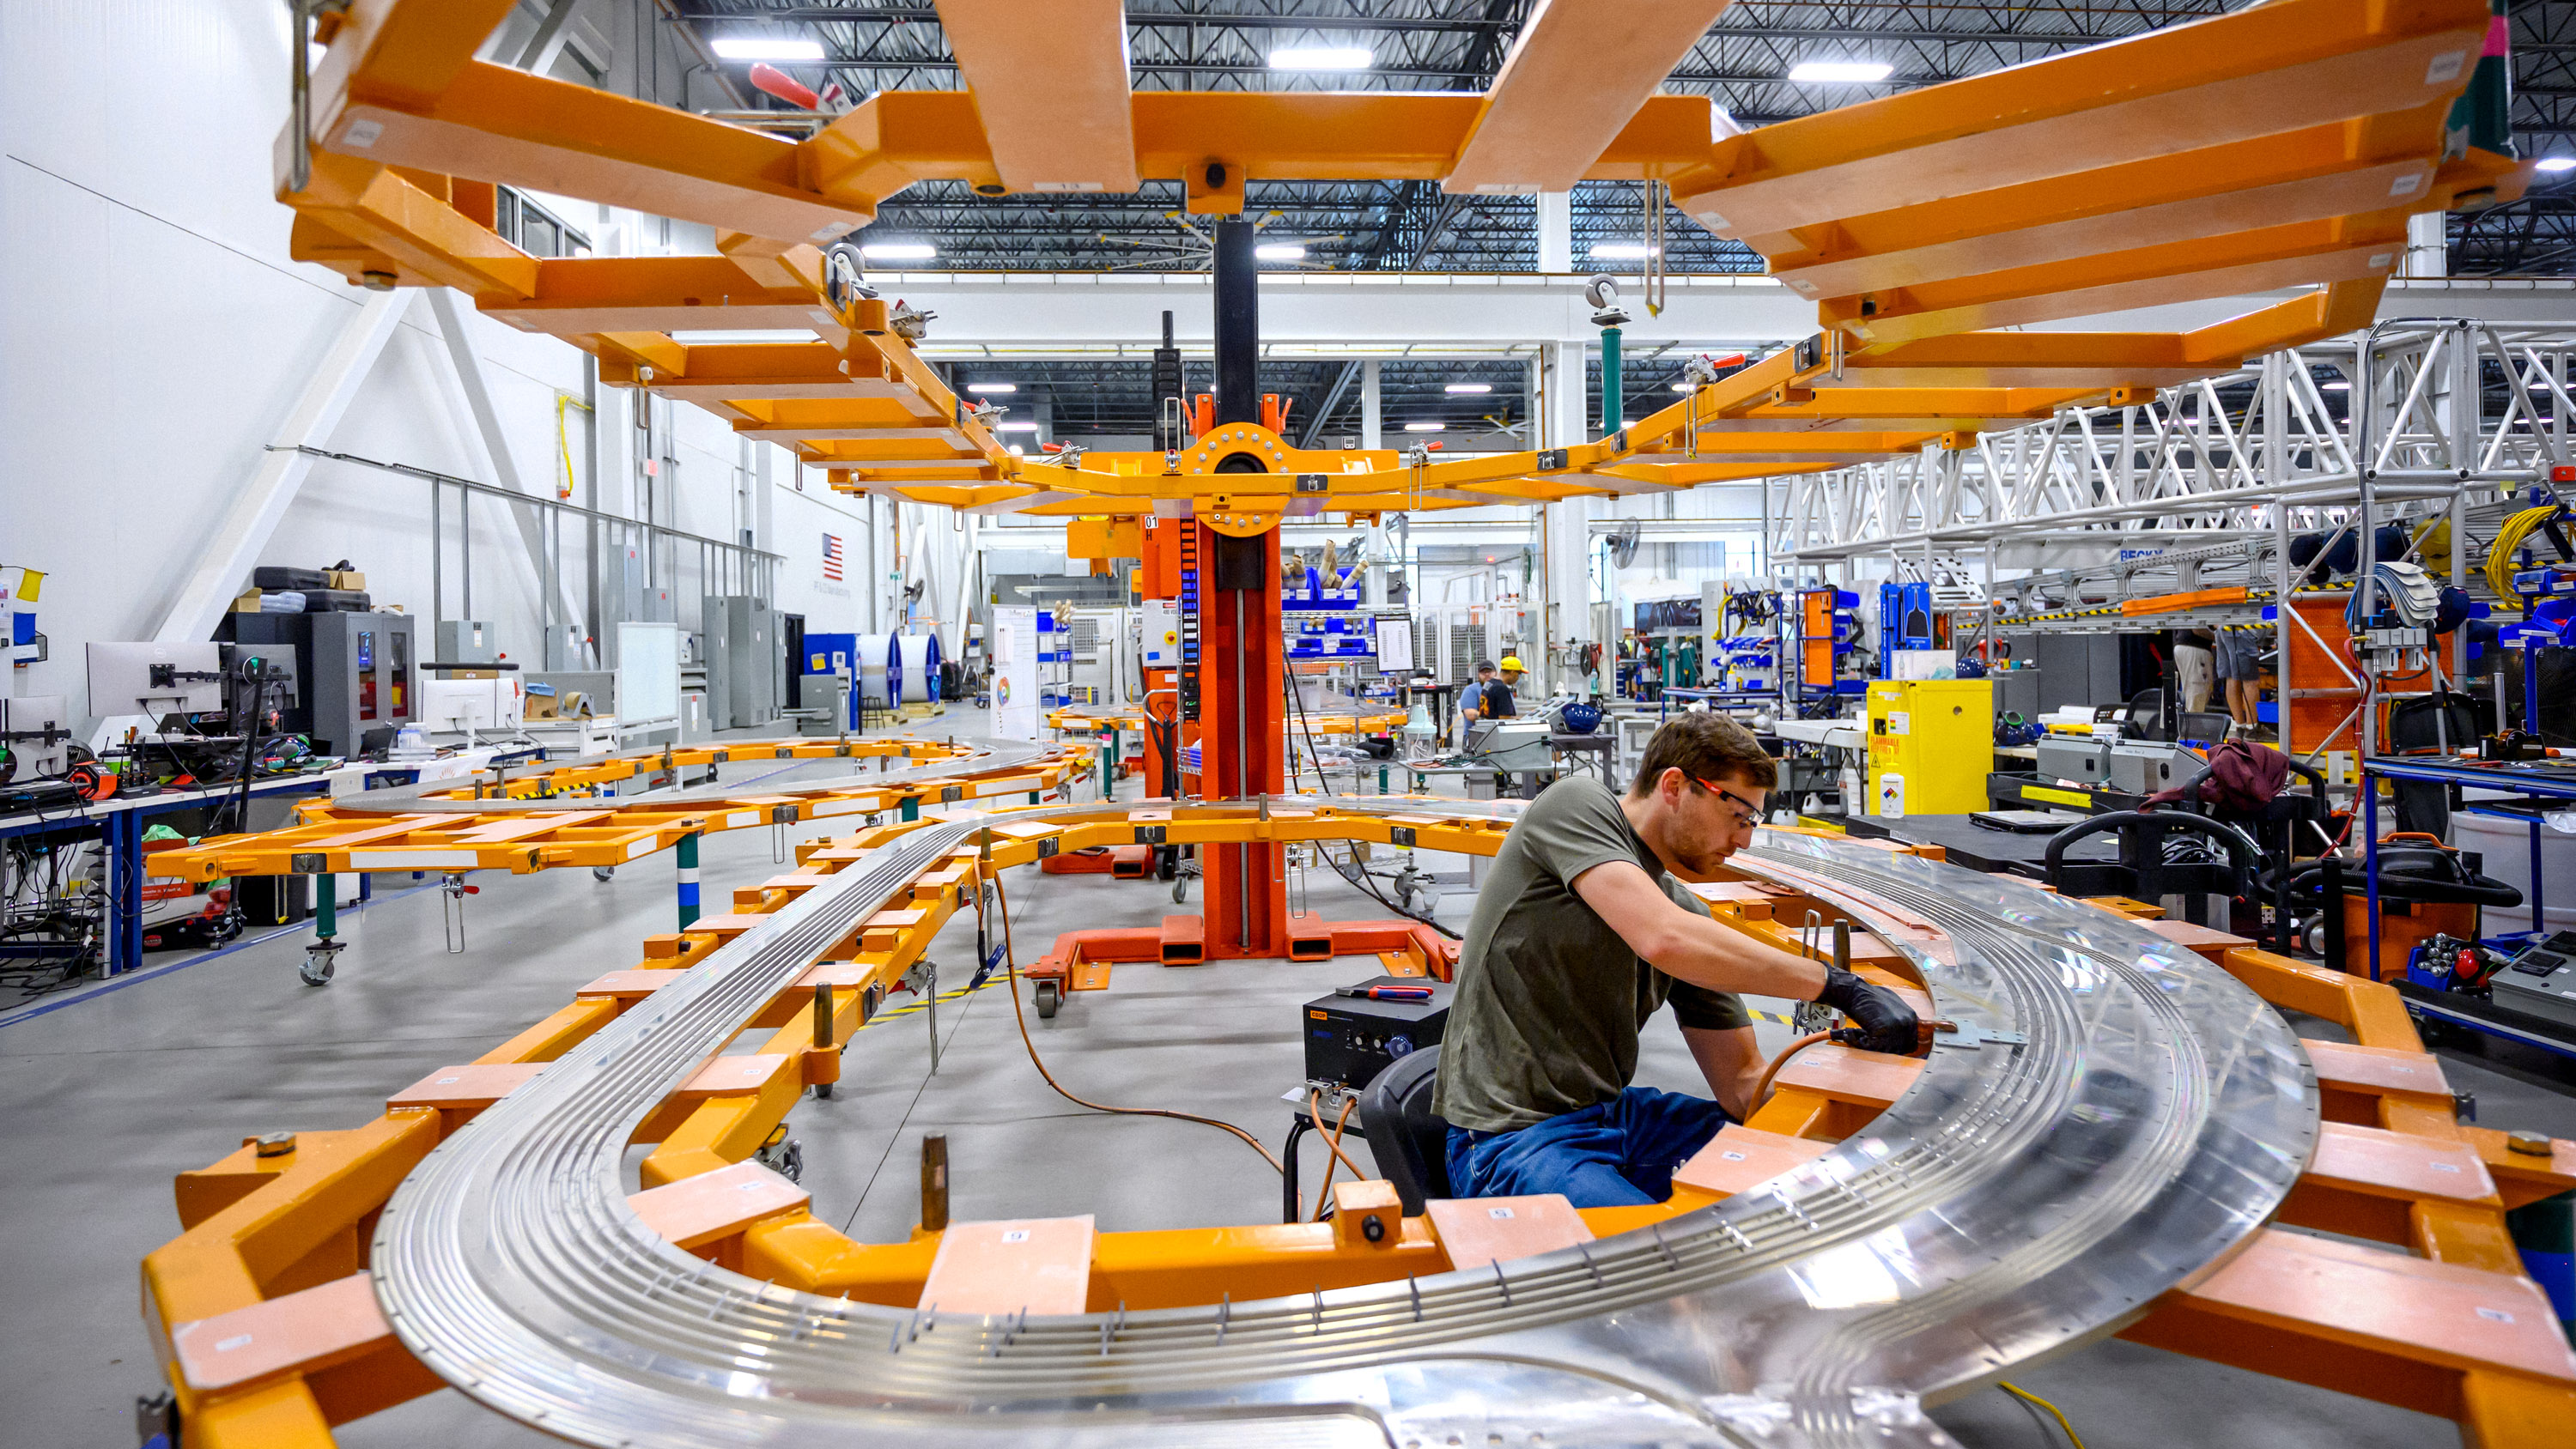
<point x="698" y="1210"/>
<point x="1477" y="1232"/>
<point x="1740" y="1159"/>
<point x="1038" y="1266"/>
<point x="319" y="1325"/>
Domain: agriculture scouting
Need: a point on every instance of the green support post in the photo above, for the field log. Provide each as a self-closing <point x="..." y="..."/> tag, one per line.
<point x="688" y="880"/>
<point x="911" y="808"/>
<point x="1614" y="407"/>
<point x="326" y="906"/>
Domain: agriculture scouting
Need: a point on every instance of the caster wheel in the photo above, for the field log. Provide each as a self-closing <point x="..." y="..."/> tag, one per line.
<point x="823" y="1091"/>
<point x="603" y="872"/>
<point x="316" y="971"/>
<point x="1050" y="996"/>
<point x="1180" y="890"/>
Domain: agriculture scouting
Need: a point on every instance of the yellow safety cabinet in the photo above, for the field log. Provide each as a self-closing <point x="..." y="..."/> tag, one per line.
<point x="1931" y="744"/>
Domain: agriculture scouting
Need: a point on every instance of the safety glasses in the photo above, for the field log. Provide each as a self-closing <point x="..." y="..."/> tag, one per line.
<point x="1748" y="817"/>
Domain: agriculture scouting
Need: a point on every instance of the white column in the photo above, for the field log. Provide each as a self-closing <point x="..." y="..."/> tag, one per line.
<point x="1372" y="421"/>
<point x="1555" y="231"/>
<point x="1568" y="521"/>
<point x="2426" y="254"/>
<point x="1568" y="406"/>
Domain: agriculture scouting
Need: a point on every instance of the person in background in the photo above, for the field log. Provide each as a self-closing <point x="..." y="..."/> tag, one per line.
<point x="2193" y="666"/>
<point x="2240" y="673"/>
<point x="1492" y="697"/>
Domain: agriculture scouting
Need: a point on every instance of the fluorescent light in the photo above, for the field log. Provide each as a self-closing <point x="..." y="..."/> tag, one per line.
<point x="1469" y="387"/>
<point x="743" y="335"/>
<point x="2555" y="163"/>
<point x="1015" y="427"/>
<point x="992" y="387"/>
<point x="1322" y="57"/>
<point x="898" y="251"/>
<point x="1426" y="427"/>
<point x="1623" y="251"/>
<point x="1281" y="252"/>
<point x="1826" y="72"/>
<point x="757" y="47"/>
<point x="1685" y="387"/>
<point x="2335" y="386"/>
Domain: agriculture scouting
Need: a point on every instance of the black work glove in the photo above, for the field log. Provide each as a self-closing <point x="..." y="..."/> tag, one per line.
<point x="1887" y="1024"/>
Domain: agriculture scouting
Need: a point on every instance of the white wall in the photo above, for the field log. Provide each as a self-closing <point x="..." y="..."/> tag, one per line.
<point x="154" y="336"/>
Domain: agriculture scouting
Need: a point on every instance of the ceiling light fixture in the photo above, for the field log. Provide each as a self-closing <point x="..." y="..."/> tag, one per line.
<point x="1015" y="427"/>
<point x="2555" y="163"/>
<point x="2336" y="386"/>
<point x="1833" y="72"/>
<point x="1469" y="387"/>
<point x="1322" y="57"/>
<point x="761" y="47"/>
<point x="1684" y="387"/>
<point x="1623" y="251"/>
<point x="1280" y="252"/>
<point x="898" y="251"/>
<point x="992" y="387"/>
<point x="1426" y="427"/>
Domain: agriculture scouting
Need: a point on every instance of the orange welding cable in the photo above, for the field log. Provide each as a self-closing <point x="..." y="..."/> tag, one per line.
<point x="1010" y="960"/>
<point x="1332" y="1139"/>
<point x="1762" y="1087"/>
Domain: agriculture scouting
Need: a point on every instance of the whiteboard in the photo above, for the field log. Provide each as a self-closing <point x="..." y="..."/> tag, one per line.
<point x="648" y="674"/>
<point x="1015" y="673"/>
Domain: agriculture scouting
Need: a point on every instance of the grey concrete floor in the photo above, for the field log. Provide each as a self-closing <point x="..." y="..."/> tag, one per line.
<point x="107" y="1096"/>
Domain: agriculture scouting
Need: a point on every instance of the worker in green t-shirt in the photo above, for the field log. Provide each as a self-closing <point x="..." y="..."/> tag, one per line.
<point x="1579" y="935"/>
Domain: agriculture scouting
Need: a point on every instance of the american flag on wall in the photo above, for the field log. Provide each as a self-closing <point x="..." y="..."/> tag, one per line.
<point x="832" y="556"/>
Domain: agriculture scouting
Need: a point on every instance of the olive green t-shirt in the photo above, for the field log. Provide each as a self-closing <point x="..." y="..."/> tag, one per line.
<point x="1549" y="999"/>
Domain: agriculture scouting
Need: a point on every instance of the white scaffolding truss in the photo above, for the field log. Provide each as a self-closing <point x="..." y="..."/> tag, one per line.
<point x="2206" y="485"/>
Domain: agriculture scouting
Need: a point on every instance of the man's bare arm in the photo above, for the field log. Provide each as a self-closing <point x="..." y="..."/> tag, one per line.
<point x="1688" y="946"/>
<point x="1731" y="1060"/>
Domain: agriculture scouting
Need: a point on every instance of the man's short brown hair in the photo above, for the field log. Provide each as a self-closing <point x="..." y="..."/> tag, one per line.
<point x="1706" y="747"/>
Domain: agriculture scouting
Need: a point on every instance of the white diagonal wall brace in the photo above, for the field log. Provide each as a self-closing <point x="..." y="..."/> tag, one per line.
<point x="503" y="465"/>
<point x="223" y="568"/>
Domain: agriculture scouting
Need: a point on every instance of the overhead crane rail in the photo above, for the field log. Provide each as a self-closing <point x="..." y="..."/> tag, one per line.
<point x="2118" y="1119"/>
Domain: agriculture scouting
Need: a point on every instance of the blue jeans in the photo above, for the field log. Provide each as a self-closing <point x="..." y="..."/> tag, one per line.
<point x="1620" y="1152"/>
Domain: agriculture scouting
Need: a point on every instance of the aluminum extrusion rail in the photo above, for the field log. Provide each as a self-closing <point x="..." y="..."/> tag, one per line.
<point x="2020" y="1197"/>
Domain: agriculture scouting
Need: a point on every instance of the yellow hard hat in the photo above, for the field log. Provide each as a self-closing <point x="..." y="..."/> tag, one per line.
<point x="1513" y="663"/>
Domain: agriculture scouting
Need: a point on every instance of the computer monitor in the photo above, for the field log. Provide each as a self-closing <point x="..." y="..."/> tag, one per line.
<point x="155" y="679"/>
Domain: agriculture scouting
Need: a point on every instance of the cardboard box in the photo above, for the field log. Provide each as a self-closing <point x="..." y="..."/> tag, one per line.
<point x="563" y="704"/>
<point x="350" y="579"/>
<point x="247" y="602"/>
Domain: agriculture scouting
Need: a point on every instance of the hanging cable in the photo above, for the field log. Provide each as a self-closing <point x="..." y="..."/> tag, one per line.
<point x="2508" y="542"/>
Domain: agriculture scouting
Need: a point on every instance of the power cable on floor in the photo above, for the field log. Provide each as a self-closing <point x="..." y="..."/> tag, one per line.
<point x="2054" y="1412"/>
<point x="1019" y="1013"/>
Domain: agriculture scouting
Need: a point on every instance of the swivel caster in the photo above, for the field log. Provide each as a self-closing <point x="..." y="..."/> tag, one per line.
<point x="1180" y="890"/>
<point x="603" y="872"/>
<point x="1050" y="996"/>
<point x="318" y="959"/>
<point x="823" y="1091"/>
<point x="782" y="1154"/>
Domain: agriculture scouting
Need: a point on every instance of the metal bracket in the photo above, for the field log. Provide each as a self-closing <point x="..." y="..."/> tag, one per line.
<point x="1972" y="1035"/>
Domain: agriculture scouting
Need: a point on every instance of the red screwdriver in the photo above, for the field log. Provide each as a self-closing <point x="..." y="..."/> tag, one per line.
<point x="1386" y="993"/>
